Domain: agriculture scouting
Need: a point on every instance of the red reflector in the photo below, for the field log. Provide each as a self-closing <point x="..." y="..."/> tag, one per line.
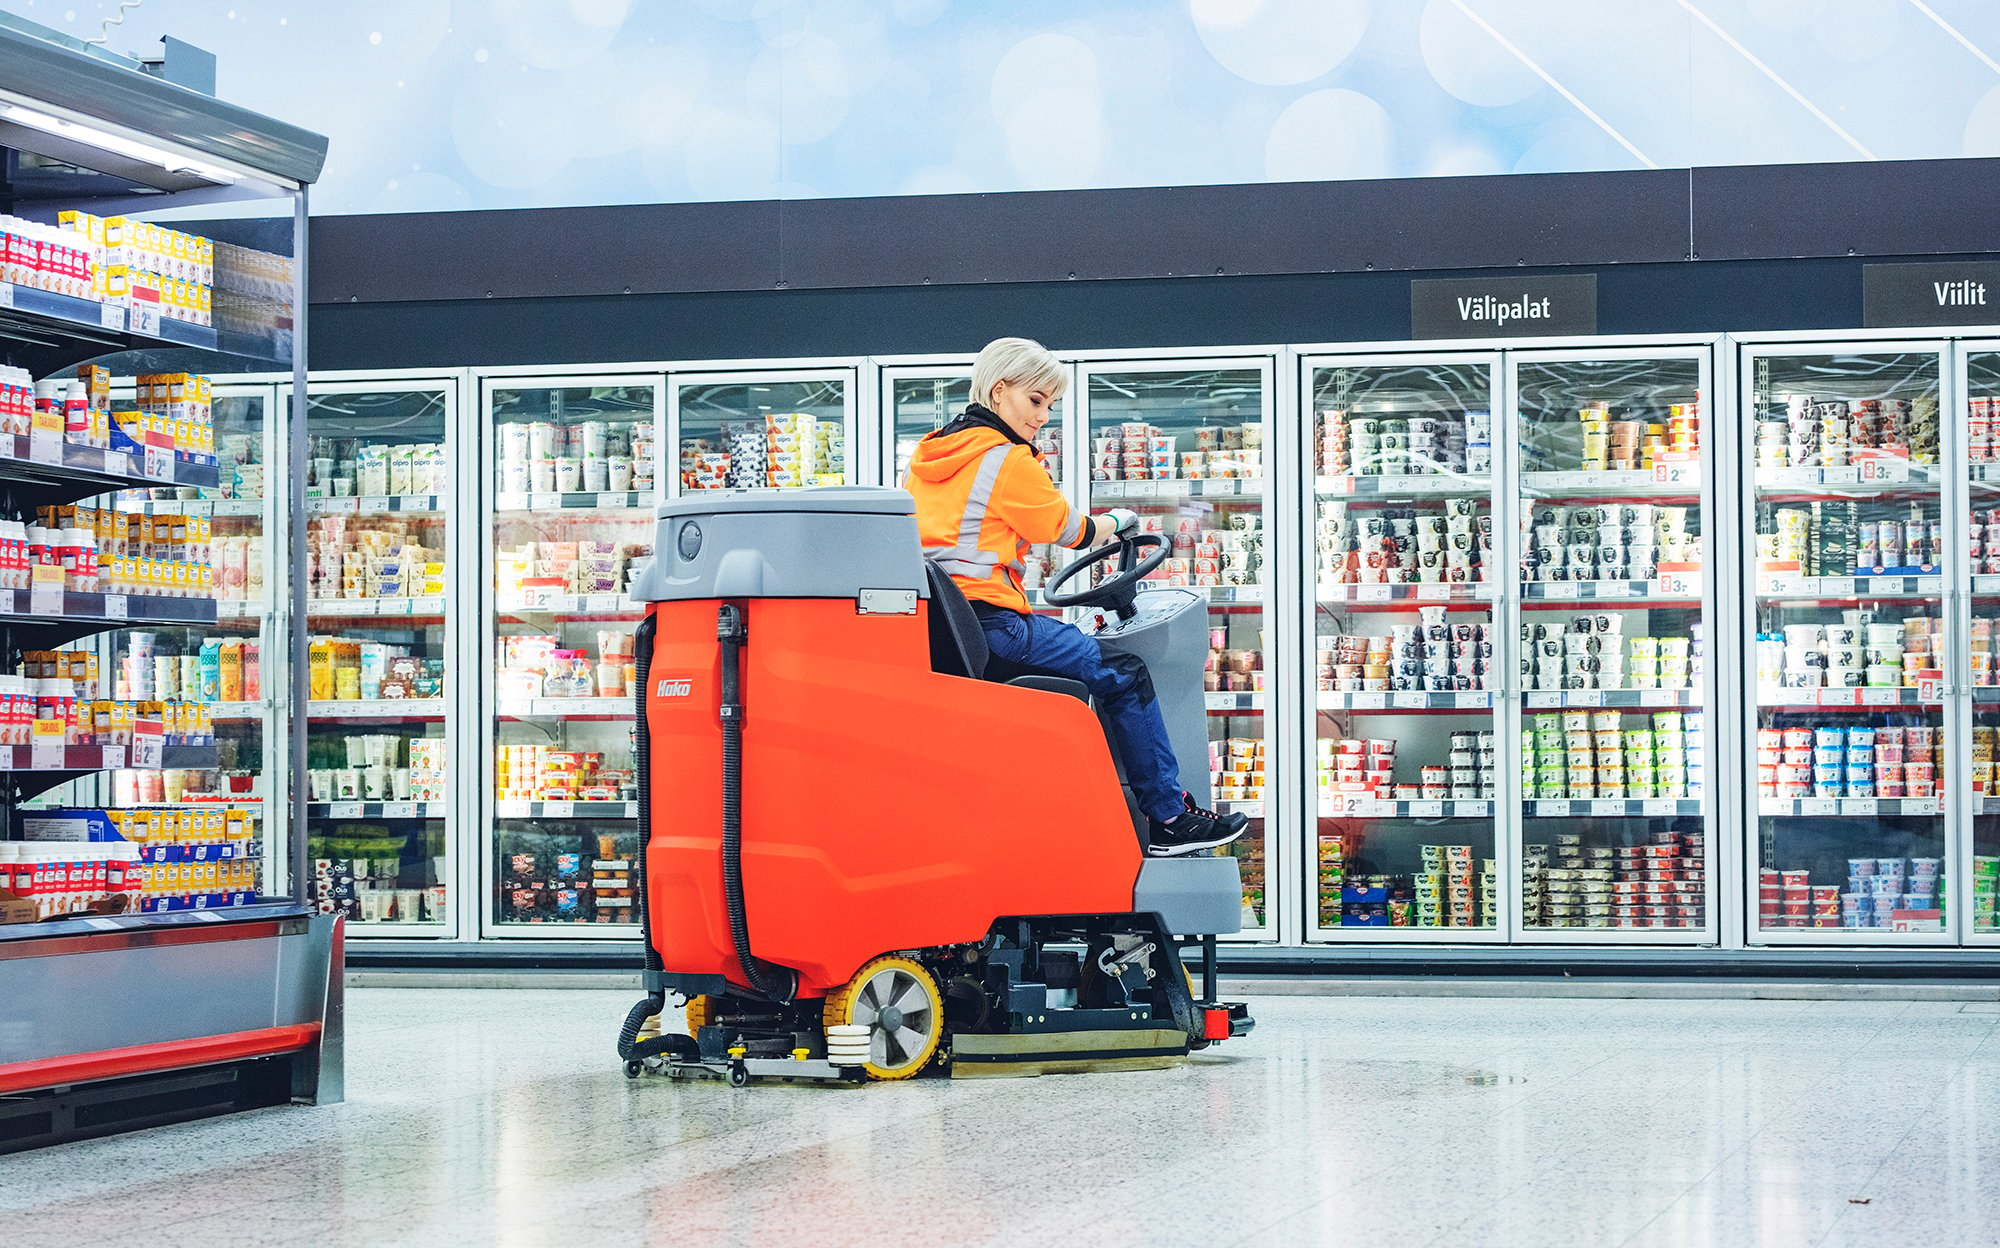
<point x="1215" y="1024"/>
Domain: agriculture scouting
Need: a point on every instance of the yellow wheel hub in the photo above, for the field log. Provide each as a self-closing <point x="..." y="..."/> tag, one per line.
<point x="898" y="1001"/>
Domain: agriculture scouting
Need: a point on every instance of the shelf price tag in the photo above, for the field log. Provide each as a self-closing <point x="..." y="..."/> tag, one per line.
<point x="1335" y="485"/>
<point x="1427" y="810"/>
<point x="1659" y="697"/>
<point x="1839" y="476"/>
<point x="111" y="756"/>
<point x="1373" y="700"/>
<point x="511" y="809"/>
<point x="1839" y="697"/>
<point x="1880" y="696"/>
<point x="1562" y="589"/>
<point x="1373" y="593"/>
<point x="116" y="607"/>
<point x="1676" y="474"/>
<point x="1677" y="584"/>
<point x="1614" y="589"/>
<point x="1477" y="700"/>
<point x="145" y="318"/>
<point x="45" y="593"/>
<point x="558" y="810"/>
<point x="1920" y="806"/>
<point x="6" y="294"/>
<point x="47" y="747"/>
<point x="344" y="810"/>
<point x="1434" y="591"/>
<point x="1468" y="810"/>
<point x="1862" y="806"/>
<point x="1658" y="806"/>
<point x="1586" y="697"/>
<point x="1552" y="809"/>
<point x="1607" y="805"/>
<point x="1819" y="806"/>
<point x="1543" y="698"/>
<point x="149" y="744"/>
<point x="1930" y="685"/>
<point x="159" y="465"/>
<point x="399" y="810"/>
<point x="1885" y="470"/>
<point x="1412" y="701"/>
<point x="45" y="438"/>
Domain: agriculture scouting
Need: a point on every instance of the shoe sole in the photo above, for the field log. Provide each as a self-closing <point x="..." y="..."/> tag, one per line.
<point x="1189" y="847"/>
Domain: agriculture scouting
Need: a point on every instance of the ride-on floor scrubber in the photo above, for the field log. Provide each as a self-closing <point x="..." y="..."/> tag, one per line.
<point x="865" y="850"/>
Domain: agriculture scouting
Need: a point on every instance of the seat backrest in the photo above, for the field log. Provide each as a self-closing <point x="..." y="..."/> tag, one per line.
<point x="958" y="643"/>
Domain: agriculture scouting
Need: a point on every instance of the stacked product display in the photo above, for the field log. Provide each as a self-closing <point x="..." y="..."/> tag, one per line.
<point x="1596" y="439"/>
<point x="1903" y="894"/>
<point x="1434" y="653"/>
<point x="349" y="467"/>
<point x="1836" y="433"/>
<point x="365" y="868"/>
<point x="1137" y="451"/>
<point x="1592" y="652"/>
<point x="537" y="666"/>
<point x="1853" y="761"/>
<point x="536" y="573"/>
<point x="1834" y="539"/>
<point x="1451" y="444"/>
<point x="354" y="669"/>
<point x="373" y="557"/>
<point x="142" y="264"/>
<point x="1367" y="769"/>
<point x="111" y="861"/>
<point x="539" y="773"/>
<point x="1659" y="883"/>
<point x="588" y="456"/>
<point x="1444" y="893"/>
<point x="1444" y="542"/>
<point x="1601" y="754"/>
<point x="569" y="887"/>
<point x="1608" y="542"/>
<point x="778" y="451"/>
<point x="1862" y="650"/>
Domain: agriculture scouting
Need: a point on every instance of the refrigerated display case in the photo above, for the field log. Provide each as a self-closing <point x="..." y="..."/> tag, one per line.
<point x="561" y="804"/>
<point x="917" y="400"/>
<point x="1182" y="443"/>
<point x="1845" y="493"/>
<point x="382" y="540"/>
<point x="1406" y="568"/>
<point x="761" y="428"/>
<point x="1980" y="389"/>
<point x="1616" y="605"/>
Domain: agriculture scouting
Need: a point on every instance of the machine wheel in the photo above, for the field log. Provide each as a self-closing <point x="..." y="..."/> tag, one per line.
<point x="898" y="1001"/>
<point x="700" y="1013"/>
<point x="739" y="1077"/>
<point x="634" y="1069"/>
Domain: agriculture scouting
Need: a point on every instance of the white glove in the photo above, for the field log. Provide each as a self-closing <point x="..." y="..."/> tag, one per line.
<point x="1122" y="521"/>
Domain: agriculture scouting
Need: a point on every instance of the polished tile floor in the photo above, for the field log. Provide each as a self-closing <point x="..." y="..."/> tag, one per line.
<point x="501" y="1117"/>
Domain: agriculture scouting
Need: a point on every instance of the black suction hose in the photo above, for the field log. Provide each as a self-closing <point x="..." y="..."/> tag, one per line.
<point x="656" y="1000"/>
<point x="732" y="630"/>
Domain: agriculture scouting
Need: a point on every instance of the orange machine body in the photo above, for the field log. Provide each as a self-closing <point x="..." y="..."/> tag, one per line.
<point x="884" y="806"/>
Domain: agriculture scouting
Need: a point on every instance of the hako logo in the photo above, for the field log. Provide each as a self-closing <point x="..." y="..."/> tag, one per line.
<point x="676" y="687"/>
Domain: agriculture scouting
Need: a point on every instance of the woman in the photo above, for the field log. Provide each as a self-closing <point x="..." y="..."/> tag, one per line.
<point x="983" y="498"/>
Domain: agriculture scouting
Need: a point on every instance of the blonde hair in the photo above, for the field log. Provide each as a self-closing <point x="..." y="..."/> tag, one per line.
<point x="1018" y="362"/>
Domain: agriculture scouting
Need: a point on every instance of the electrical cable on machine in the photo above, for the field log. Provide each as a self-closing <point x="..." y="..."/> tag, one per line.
<point x="860" y="892"/>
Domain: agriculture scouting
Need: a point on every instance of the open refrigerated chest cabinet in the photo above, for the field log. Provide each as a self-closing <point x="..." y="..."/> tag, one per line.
<point x="157" y="960"/>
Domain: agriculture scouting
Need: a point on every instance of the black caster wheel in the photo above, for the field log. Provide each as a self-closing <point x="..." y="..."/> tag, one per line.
<point x="739" y="1077"/>
<point x="634" y="1069"/>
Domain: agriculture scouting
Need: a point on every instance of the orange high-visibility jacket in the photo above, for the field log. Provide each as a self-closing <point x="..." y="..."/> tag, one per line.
<point x="982" y="501"/>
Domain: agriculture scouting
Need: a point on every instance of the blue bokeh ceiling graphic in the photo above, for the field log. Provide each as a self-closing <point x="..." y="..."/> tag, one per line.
<point x="450" y="104"/>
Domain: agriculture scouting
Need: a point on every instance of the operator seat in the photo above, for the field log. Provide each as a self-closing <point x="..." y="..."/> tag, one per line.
<point x="958" y="643"/>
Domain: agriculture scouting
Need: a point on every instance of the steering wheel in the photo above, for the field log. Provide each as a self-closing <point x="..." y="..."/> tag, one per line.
<point x="1121" y="592"/>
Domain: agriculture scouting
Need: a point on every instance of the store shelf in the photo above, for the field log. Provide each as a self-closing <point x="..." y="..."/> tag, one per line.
<point x="1844" y="807"/>
<point x="1248" y="809"/>
<point x="1232" y="700"/>
<point x="376" y="810"/>
<point x="1249" y="489"/>
<point x="572" y="604"/>
<point x="1986" y="584"/>
<point x="379" y="708"/>
<point x="106" y="610"/>
<point x="1851" y="479"/>
<point x="1401" y="485"/>
<point x="1220" y="595"/>
<point x="231" y="712"/>
<point x="506" y="809"/>
<point x="1665" y="481"/>
<point x="1814" y="589"/>
<point x="1610" y="807"/>
<point x="218" y="508"/>
<point x="1983" y="472"/>
<point x="612" y="500"/>
<point x="1421" y="592"/>
<point x="89" y="319"/>
<point x="1385" y="808"/>
<point x="27" y="758"/>
<point x="1687" y="589"/>
<point x="1413" y="700"/>
<point x="1863" y="699"/>
<point x="375" y="606"/>
<point x="567" y="708"/>
<point x="239" y="609"/>
<point x="66" y="463"/>
<point x="1986" y="693"/>
<point x="1662" y="699"/>
<point x="375" y="504"/>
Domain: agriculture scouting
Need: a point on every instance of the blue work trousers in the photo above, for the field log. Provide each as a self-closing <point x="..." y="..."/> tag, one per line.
<point x="1121" y="687"/>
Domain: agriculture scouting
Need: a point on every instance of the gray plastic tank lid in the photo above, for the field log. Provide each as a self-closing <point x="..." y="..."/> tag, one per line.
<point x="852" y="500"/>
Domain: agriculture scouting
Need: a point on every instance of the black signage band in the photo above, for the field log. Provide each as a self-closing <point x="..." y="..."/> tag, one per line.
<point x="1504" y="307"/>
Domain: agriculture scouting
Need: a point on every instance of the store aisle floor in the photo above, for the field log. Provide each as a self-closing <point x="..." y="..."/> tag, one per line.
<point x="500" y="1117"/>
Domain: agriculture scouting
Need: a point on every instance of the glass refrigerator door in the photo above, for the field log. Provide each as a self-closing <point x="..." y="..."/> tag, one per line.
<point x="922" y="401"/>
<point x="563" y="791"/>
<point x="778" y="430"/>
<point x="381" y="538"/>
<point x="1183" y="446"/>
<point x="1405" y="651"/>
<point x="1982" y="390"/>
<point x="1845" y="670"/>
<point x="1613" y="534"/>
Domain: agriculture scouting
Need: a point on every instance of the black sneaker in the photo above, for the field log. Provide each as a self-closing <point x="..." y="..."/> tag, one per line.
<point x="1194" y="830"/>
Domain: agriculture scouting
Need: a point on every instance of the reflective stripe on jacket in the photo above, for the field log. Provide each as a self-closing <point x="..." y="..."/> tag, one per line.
<point x="982" y="500"/>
